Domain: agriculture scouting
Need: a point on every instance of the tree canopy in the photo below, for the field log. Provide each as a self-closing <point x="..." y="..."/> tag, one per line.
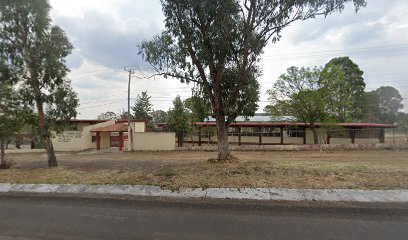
<point x="159" y="116"/>
<point x="199" y="106"/>
<point x="344" y="83"/>
<point x="384" y="105"/>
<point x="202" y="39"/>
<point x="143" y="109"/>
<point x="10" y="109"/>
<point x="298" y="93"/>
<point x="109" y="115"/>
<point x="178" y="120"/>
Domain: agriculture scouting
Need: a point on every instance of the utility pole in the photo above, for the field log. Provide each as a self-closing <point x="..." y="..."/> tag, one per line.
<point x="130" y="135"/>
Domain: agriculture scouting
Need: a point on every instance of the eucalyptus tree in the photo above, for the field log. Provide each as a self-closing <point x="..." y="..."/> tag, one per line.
<point x="37" y="48"/>
<point x="203" y="38"/>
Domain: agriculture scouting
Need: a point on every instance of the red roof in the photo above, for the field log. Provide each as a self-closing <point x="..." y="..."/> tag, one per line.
<point x="117" y="127"/>
<point x="298" y="124"/>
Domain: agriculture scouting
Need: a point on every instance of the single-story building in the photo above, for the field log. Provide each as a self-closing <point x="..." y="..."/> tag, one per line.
<point x="280" y="133"/>
<point x="102" y="134"/>
<point x="290" y="133"/>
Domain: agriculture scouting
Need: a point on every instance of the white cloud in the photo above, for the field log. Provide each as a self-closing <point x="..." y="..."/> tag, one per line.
<point x="105" y="34"/>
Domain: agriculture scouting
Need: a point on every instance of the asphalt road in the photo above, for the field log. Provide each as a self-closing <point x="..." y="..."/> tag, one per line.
<point x="51" y="217"/>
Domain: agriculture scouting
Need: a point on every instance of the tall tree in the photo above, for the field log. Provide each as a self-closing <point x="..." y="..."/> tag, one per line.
<point x="384" y="105"/>
<point x="204" y="38"/>
<point x="159" y="116"/>
<point x="297" y="93"/>
<point x="199" y="106"/>
<point x="142" y="110"/>
<point x="38" y="49"/>
<point x="109" y="115"/>
<point x="178" y="120"/>
<point x="344" y="82"/>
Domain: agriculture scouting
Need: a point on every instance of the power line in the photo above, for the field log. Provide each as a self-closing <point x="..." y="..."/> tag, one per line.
<point x="96" y="71"/>
<point x="342" y="50"/>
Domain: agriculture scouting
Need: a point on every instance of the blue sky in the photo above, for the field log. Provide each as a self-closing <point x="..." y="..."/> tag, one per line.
<point x="105" y="35"/>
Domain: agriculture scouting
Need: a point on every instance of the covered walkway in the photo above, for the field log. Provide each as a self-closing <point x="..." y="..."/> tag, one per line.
<point x="119" y="127"/>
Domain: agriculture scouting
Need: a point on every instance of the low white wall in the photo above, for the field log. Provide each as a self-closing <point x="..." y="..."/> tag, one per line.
<point x="69" y="141"/>
<point x="80" y="140"/>
<point x="153" y="141"/>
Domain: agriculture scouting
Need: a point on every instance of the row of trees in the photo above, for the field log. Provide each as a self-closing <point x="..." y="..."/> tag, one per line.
<point x="33" y="85"/>
<point x="333" y="93"/>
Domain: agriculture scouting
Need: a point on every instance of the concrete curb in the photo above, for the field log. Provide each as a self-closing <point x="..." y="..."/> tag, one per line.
<point x="346" y="195"/>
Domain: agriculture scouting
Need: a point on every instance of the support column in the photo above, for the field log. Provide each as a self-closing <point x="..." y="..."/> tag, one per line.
<point x="98" y="141"/>
<point x="120" y="141"/>
<point x="382" y="135"/>
<point x="304" y="136"/>
<point x="260" y="136"/>
<point x="281" y="135"/>
<point x="239" y="136"/>
<point x="353" y="136"/>
<point x="199" y="136"/>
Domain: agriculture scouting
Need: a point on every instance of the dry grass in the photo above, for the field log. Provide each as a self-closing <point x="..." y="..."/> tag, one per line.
<point x="338" y="169"/>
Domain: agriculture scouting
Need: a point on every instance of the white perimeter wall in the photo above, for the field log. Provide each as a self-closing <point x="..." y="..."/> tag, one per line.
<point x="153" y="141"/>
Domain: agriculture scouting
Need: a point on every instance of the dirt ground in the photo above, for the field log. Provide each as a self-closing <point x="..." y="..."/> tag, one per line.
<point x="368" y="169"/>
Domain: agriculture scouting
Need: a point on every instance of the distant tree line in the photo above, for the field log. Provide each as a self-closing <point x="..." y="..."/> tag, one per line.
<point x="333" y="93"/>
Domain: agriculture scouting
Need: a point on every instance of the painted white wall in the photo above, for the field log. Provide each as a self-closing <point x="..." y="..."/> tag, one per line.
<point x="153" y="141"/>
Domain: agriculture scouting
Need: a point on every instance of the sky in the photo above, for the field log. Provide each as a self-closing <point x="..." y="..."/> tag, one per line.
<point x="106" y="33"/>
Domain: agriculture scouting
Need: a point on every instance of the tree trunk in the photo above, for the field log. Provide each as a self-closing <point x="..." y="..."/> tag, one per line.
<point x="314" y="131"/>
<point x="181" y="140"/>
<point x="406" y="135"/>
<point x="3" y="164"/>
<point x="45" y="136"/>
<point x="52" y="159"/>
<point x="222" y="137"/>
<point x="192" y="139"/>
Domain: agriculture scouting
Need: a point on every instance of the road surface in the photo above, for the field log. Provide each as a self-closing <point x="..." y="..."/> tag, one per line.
<point x="53" y="217"/>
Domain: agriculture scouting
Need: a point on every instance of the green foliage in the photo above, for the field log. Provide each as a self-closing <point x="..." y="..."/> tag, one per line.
<point x="403" y="123"/>
<point x="383" y="105"/>
<point x="159" y="116"/>
<point x="109" y="115"/>
<point x="142" y="110"/>
<point x="179" y="120"/>
<point x="199" y="107"/>
<point x="343" y="81"/>
<point x="247" y="103"/>
<point x="10" y="110"/>
<point x="297" y="93"/>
